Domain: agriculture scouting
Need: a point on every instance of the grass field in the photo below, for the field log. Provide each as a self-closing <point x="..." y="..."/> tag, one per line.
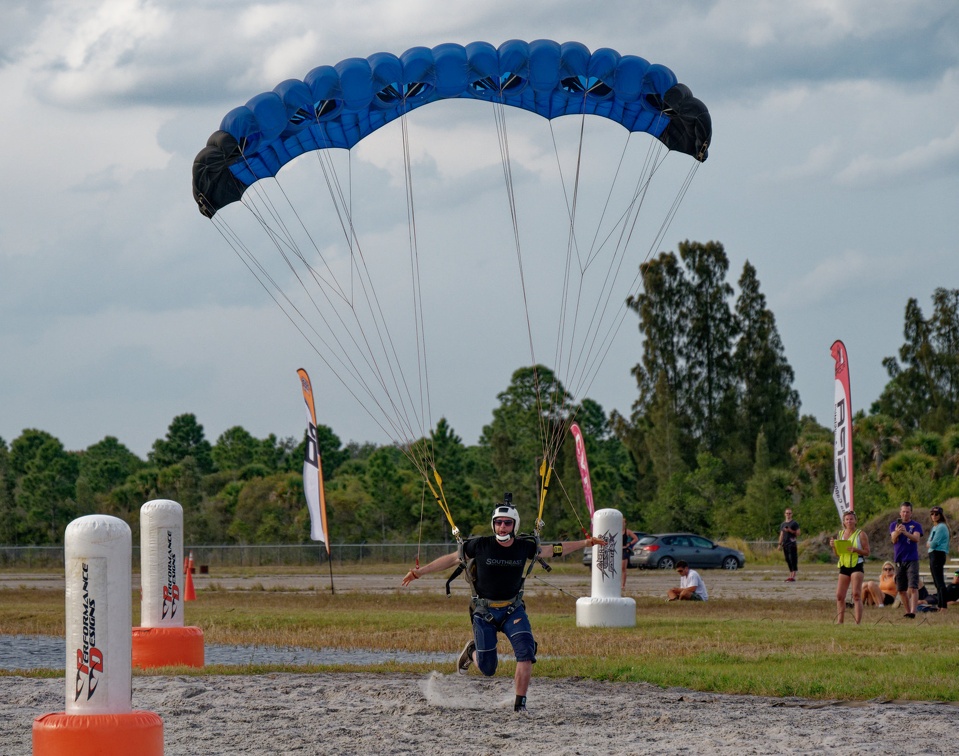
<point x="756" y="646"/>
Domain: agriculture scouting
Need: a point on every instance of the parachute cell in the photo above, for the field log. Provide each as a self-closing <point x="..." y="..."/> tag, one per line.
<point x="337" y="106"/>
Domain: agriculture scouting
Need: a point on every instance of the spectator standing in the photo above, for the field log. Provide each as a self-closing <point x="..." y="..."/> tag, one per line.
<point x="630" y="539"/>
<point x="905" y="533"/>
<point x="788" y="537"/>
<point x="852" y="561"/>
<point x="938" y="545"/>
<point x="691" y="585"/>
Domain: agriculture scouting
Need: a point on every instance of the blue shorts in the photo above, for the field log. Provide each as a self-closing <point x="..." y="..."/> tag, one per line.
<point x="514" y="626"/>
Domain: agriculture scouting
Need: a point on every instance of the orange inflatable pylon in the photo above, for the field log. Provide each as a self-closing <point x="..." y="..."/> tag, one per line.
<point x="189" y="594"/>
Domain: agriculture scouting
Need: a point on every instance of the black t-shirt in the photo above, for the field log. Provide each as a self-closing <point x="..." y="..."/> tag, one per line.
<point x="787" y="536"/>
<point x="499" y="569"/>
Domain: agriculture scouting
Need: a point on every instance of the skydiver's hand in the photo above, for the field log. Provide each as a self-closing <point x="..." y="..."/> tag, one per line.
<point x="410" y="576"/>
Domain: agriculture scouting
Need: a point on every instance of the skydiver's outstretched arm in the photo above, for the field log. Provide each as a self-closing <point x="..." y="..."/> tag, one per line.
<point x="568" y="547"/>
<point x="437" y="565"/>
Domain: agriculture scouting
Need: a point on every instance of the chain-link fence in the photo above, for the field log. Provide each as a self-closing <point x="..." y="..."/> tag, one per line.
<point x="260" y="555"/>
<point x="279" y="555"/>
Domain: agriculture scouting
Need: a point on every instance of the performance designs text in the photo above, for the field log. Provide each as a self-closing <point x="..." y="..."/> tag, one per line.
<point x="89" y="657"/>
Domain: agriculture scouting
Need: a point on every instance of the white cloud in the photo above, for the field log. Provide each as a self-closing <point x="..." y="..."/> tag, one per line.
<point x="833" y="169"/>
<point x="936" y="156"/>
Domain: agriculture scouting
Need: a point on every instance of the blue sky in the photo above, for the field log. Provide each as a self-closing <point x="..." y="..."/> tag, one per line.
<point x="834" y="170"/>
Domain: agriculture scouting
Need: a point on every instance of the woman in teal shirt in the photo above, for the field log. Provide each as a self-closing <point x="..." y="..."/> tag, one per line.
<point x="938" y="545"/>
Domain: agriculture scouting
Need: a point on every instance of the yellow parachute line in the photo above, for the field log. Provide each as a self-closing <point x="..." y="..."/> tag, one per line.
<point x="440" y="497"/>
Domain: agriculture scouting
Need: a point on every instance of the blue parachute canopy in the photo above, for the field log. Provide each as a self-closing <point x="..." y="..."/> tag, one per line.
<point x="336" y="106"/>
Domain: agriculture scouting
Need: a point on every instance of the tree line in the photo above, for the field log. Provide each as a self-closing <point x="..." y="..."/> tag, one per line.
<point x="715" y="442"/>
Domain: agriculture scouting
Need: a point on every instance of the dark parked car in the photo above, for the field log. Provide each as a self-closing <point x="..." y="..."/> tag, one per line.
<point x="664" y="550"/>
<point x="588" y="554"/>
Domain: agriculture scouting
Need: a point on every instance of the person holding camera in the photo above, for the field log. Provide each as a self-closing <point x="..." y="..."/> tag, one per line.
<point x="906" y="533"/>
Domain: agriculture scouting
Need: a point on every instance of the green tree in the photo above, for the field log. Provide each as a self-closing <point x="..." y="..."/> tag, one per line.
<point x="184" y="439"/>
<point x="663" y="320"/>
<point x="910" y="476"/>
<point x="612" y="470"/>
<point x="331" y="450"/>
<point x="453" y="465"/>
<point x="8" y="515"/>
<point x="813" y="461"/>
<point x="712" y="329"/>
<point x="106" y="464"/>
<point x="389" y="511"/>
<point x="767" y="496"/>
<point x="45" y="487"/>
<point x="531" y="414"/>
<point x="923" y="390"/>
<point x="642" y="481"/>
<point x="664" y="435"/>
<point x="270" y="510"/>
<point x="768" y="402"/>
<point x="235" y="449"/>
<point x="876" y="438"/>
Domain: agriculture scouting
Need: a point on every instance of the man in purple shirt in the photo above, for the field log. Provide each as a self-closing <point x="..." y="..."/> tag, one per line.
<point x="905" y="533"/>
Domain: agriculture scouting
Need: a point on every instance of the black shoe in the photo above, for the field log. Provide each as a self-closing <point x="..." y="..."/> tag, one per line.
<point x="466" y="657"/>
<point x="909" y="615"/>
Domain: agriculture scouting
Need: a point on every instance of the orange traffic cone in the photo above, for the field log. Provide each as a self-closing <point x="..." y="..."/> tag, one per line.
<point x="188" y="593"/>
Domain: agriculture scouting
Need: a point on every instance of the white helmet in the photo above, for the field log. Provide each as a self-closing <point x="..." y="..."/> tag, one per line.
<point x="506" y="509"/>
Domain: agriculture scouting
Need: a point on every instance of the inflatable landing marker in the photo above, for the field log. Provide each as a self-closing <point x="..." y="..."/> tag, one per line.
<point x="163" y="641"/>
<point x="99" y="718"/>
<point x="607" y="607"/>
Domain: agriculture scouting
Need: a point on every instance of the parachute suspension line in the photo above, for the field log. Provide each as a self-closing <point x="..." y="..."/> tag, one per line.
<point x="419" y="539"/>
<point x="341" y="355"/>
<point x="499" y="114"/>
<point x="440" y="497"/>
<point x="664" y="227"/>
<point x="596" y="346"/>
<point x="397" y="385"/>
<point x="653" y="162"/>
<point x="265" y="212"/>
<point x="652" y="166"/>
<point x="545" y="473"/>
<point x="569" y="503"/>
<point x="425" y="413"/>
<point x="253" y="265"/>
<point x="601" y="344"/>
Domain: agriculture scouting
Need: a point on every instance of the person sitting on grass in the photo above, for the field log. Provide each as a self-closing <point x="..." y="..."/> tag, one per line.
<point x="884" y="592"/>
<point x="691" y="585"/>
<point x="951" y="593"/>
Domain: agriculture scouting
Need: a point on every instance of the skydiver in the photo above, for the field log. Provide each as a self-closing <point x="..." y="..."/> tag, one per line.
<point x="497" y="605"/>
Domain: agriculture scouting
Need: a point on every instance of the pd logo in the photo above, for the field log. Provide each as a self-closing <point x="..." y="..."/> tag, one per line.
<point x="89" y="658"/>
<point x="171" y="591"/>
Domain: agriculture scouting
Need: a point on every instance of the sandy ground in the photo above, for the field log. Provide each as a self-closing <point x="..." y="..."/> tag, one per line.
<point x="451" y="714"/>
